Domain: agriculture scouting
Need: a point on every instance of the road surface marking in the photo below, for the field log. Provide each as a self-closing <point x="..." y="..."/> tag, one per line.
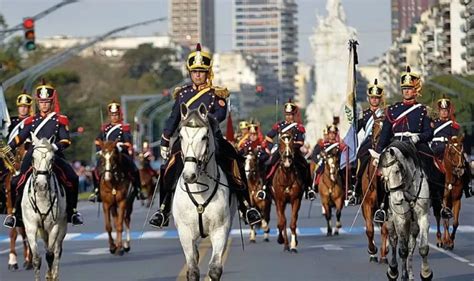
<point x="450" y="254"/>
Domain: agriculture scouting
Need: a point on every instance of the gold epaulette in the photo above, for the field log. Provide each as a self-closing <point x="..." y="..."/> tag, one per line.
<point x="176" y="92"/>
<point x="221" y="92"/>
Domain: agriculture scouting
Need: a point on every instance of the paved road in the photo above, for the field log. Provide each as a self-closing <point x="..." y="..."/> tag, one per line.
<point x="158" y="256"/>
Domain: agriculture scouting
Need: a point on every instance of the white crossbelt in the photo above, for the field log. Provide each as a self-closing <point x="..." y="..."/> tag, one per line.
<point x="440" y="139"/>
<point x="45" y="120"/>
<point x="405" y="134"/>
<point x="288" y="127"/>
<point x="442" y="127"/>
<point x="406" y="112"/>
<point x="111" y="130"/>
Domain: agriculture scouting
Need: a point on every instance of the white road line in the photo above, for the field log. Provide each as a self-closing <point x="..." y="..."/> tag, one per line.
<point x="450" y="254"/>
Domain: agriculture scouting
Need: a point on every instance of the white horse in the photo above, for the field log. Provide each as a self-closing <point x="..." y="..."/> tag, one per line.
<point x="44" y="209"/>
<point x="201" y="202"/>
<point x="409" y="203"/>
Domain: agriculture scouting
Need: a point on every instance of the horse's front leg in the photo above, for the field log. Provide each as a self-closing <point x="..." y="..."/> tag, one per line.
<point x="385" y="243"/>
<point x="122" y="206"/>
<point x="339" y="205"/>
<point x="108" y="226"/>
<point x="12" y="258"/>
<point x="414" y="230"/>
<point x="424" y="225"/>
<point x="31" y="234"/>
<point x="219" y="242"/>
<point x="282" y="236"/>
<point x="436" y="203"/>
<point x="456" y="211"/>
<point x="53" y="251"/>
<point x="392" y="271"/>
<point x="191" y="254"/>
<point x="26" y="249"/>
<point x="295" y="207"/>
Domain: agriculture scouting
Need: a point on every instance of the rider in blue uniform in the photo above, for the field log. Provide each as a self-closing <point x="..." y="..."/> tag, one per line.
<point x="408" y="121"/>
<point x="444" y="128"/>
<point x="375" y="113"/>
<point x="117" y="130"/>
<point x="298" y="131"/>
<point x="47" y="123"/>
<point x="201" y="91"/>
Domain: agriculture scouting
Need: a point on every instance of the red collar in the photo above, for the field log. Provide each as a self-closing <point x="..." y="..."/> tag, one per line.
<point x="409" y="102"/>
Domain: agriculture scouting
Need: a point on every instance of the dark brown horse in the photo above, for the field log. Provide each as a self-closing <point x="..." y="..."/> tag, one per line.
<point x="255" y="183"/>
<point x="371" y="187"/>
<point x="330" y="190"/>
<point x="453" y="162"/>
<point x="147" y="177"/>
<point x="287" y="188"/>
<point x="116" y="195"/>
<point x="12" y="259"/>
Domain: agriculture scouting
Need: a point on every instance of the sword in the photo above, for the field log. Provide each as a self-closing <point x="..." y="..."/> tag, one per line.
<point x="149" y="208"/>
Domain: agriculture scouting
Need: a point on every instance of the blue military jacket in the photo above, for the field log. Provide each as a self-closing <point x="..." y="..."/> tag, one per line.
<point x="119" y="132"/>
<point x="398" y="121"/>
<point x="214" y="98"/>
<point x="442" y="131"/>
<point x="52" y="125"/>
<point x="296" y="129"/>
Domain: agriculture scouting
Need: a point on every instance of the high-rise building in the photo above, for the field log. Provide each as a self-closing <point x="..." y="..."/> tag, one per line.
<point x="405" y="13"/>
<point x="267" y="29"/>
<point x="192" y="21"/>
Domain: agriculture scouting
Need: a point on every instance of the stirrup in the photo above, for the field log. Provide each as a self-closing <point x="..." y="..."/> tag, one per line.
<point x="380" y="216"/>
<point x="352" y="200"/>
<point x="311" y="194"/>
<point x="92" y="198"/>
<point x="446" y="213"/>
<point x="9" y="225"/>
<point x="76" y="219"/>
<point x="261" y="194"/>
<point x="159" y="220"/>
<point x="253" y="219"/>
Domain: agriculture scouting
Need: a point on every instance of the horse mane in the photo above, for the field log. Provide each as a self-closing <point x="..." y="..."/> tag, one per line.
<point x="407" y="149"/>
<point x="45" y="142"/>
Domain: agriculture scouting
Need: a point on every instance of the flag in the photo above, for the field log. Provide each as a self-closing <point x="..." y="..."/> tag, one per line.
<point x="4" y="115"/>
<point x="229" y="134"/>
<point x="349" y="116"/>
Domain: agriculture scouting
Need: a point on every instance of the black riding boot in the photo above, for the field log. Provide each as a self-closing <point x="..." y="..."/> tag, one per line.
<point x="95" y="196"/>
<point x="135" y="175"/>
<point x="15" y="219"/>
<point x="466" y="180"/>
<point x="73" y="216"/>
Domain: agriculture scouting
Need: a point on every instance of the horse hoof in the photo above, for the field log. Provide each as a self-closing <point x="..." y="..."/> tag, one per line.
<point x="383" y="260"/>
<point x="126" y="249"/>
<point x="439" y="244"/>
<point x="120" y="252"/>
<point x="286" y="249"/>
<point x="391" y="278"/>
<point x="280" y="240"/>
<point x="329" y="233"/>
<point x="113" y="250"/>
<point x="253" y="241"/>
<point x="294" y="251"/>
<point x="13" y="267"/>
<point x="373" y="259"/>
<point x="428" y="278"/>
<point x="266" y="240"/>
<point x="27" y="265"/>
<point x="336" y="233"/>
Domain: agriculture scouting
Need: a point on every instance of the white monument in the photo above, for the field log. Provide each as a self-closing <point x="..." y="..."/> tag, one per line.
<point x="330" y="44"/>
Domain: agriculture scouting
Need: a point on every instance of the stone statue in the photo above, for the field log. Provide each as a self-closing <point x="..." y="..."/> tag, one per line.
<point x="335" y="10"/>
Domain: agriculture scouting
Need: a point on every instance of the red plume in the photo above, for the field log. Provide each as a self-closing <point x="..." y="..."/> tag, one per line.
<point x="198" y="47"/>
<point x="57" y="108"/>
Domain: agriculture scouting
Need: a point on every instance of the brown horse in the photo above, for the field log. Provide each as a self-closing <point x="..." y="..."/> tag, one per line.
<point x="12" y="259"/>
<point x="453" y="162"/>
<point x="147" y="177"/>
<point x="287" y="188"/>
<point x="116" y="195"/>
<point x="255" y="183"/>
<point x="371" y="186"/>
<point x="330" y="190"/>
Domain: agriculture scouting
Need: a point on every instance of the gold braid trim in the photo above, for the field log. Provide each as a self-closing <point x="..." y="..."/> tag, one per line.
<point x="221" y="92"/>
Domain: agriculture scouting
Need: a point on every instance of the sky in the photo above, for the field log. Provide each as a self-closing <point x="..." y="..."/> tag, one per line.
<point x="371" y="18"/>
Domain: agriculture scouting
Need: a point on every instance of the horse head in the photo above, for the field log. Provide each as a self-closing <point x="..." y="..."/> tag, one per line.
<point x="286" y="149"/>
<point x="110" y="158"/>
<point x="251" y="166"/>
<point x="42" y="162"/>
<point x="196" y="141"/>
<point x="376" y="131"/>
<point x="454" y="156"/>
<point x="331" y="161"/>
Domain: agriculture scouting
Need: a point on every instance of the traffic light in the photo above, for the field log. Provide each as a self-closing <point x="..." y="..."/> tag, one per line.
<point x="259" y="89"/>
<point x="29" y="31"/>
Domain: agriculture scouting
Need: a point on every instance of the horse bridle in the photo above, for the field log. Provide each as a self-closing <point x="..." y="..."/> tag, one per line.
<point x="47" y="172"/>
<point x="201" y="163"/>
<point x="460" y="164"/>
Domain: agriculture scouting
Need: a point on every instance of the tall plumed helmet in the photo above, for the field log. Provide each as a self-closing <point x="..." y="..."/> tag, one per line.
<point x="444" y="103"/>
<point x="253" y="128"/>
<point x="410" y="79"/>
<point x="199" y="60"/>
<point x="290" y="107"/>
<point x="45" y="91"/>
<point x="375" y="89"/>
<point x="113" y="107"/>
<point x="24" y="99"/>
<point x="332" y="128"/>
<point x="243" y="125"/>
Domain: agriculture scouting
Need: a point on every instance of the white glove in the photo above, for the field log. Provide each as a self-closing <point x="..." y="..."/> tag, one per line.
<point x="415" y="139"/>
<point x="55" y="147"/>
<point x="375" y="163"/>
<point x="165" y="152"/>
<point x="119" y="146"/>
